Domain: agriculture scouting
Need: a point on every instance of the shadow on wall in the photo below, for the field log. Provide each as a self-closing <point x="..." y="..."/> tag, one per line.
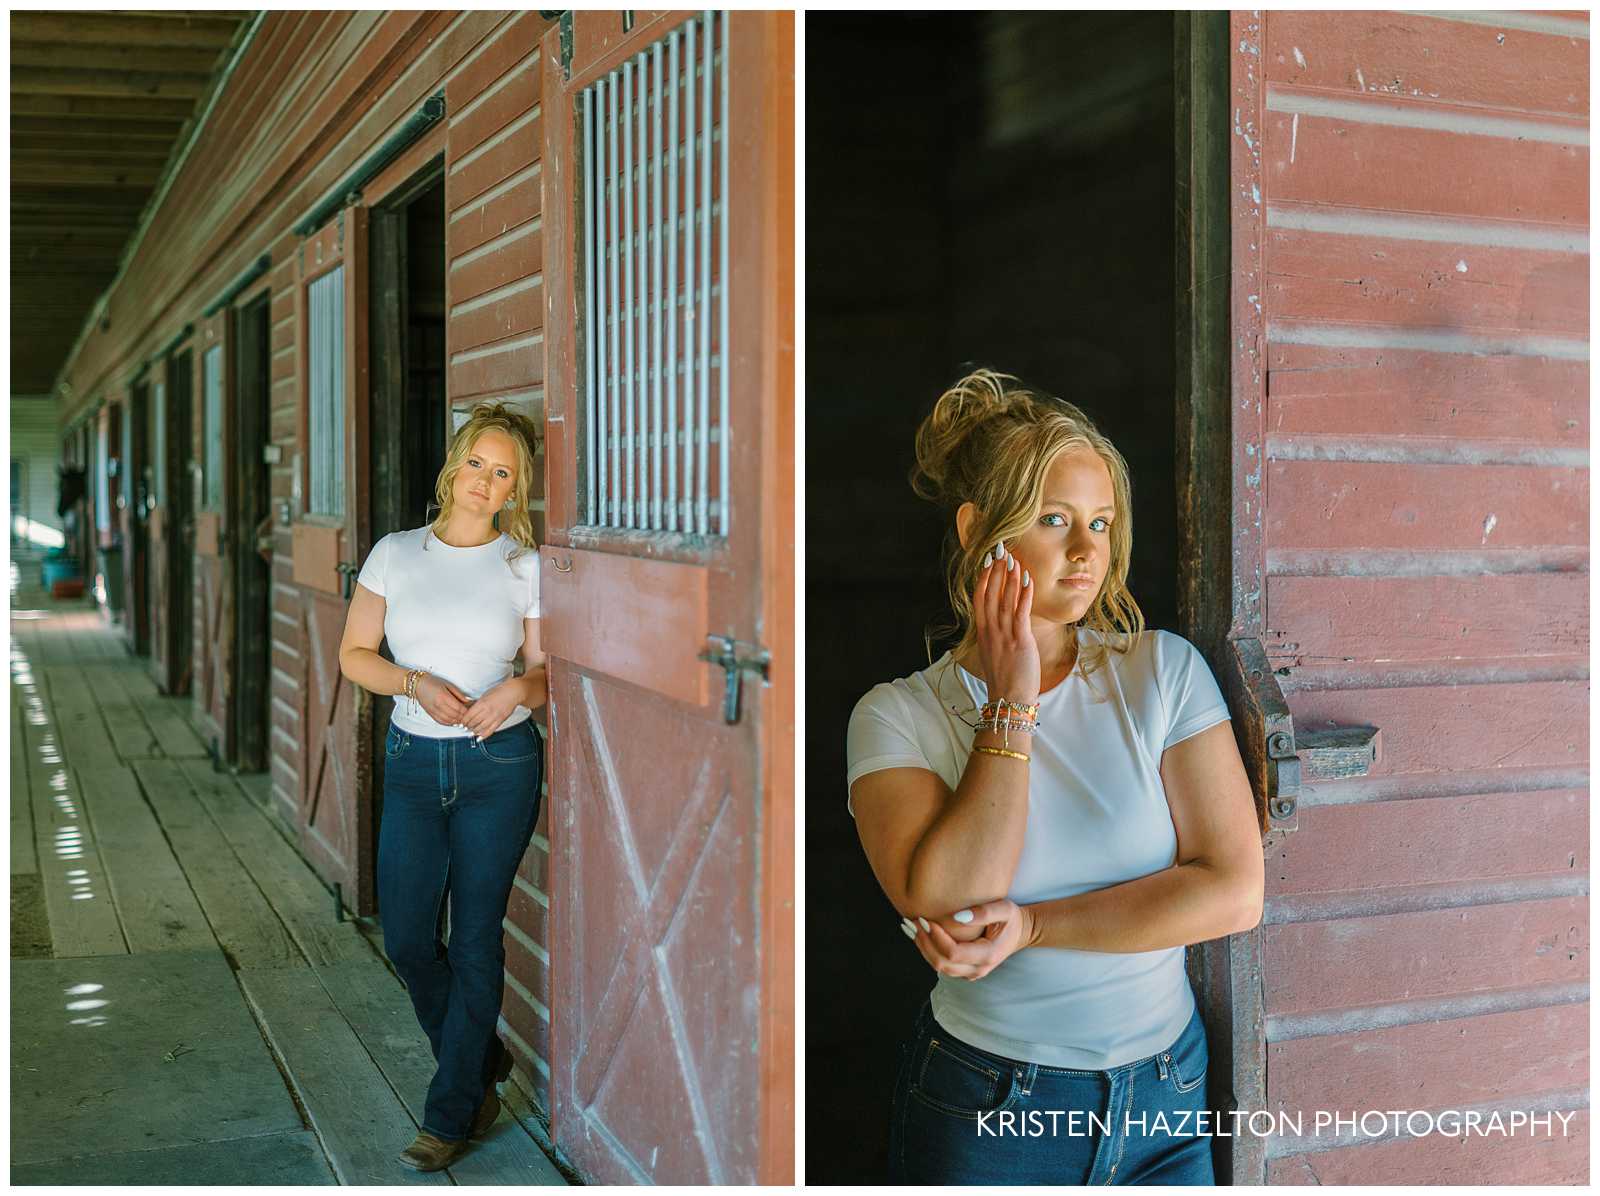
<point x="983" y="189"/>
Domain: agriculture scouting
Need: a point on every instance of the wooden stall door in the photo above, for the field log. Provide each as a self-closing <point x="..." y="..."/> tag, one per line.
<point x="336" y="798"/>
<point x="158" y="524"/>
<point x="213" y="623"/>
<point x="660" y="1071"/>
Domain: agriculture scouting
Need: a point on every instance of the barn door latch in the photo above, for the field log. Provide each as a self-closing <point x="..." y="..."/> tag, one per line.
<point x="347" y="573"/>
<point x="1317" y="753"/>
<point x="736" y="659"/>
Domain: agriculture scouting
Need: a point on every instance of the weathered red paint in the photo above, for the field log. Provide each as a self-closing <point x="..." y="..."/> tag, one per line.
<point x="1421" y="547"/>
<point x="1419" y="58"/>
<point x="1426" y="840"/>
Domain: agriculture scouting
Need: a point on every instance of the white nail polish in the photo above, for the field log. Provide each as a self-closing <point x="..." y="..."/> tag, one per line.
<point x="1026" y="580"/>
<point x="910" y="933"/>
<point x="963" y="916"/>
<point x="988" y="559"/>
<point x="1000" y="551"/>
<point x="923" y="922"/>
<point x="1011" y="563"/>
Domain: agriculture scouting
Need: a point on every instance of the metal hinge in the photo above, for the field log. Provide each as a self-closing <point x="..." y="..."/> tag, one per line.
<point x="566" y="44"/>
<point x="736" y="659"/>
<point x="1277" y="732"/>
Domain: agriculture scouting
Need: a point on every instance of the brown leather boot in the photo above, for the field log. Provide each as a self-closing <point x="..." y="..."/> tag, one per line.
<point x="488" y="1112"/>
<point x="427" y="1153"/>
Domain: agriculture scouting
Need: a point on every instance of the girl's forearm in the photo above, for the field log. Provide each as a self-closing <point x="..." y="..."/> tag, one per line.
<point x="969" y="854"/>
<point x="1180" y="905"/>
<point x="372" y="672"/>
<point x="533" y="687"/>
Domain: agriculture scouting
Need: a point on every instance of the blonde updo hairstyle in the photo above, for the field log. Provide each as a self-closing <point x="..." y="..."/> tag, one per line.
<point x="991" y="444"/>
<point x="517" y="521"/>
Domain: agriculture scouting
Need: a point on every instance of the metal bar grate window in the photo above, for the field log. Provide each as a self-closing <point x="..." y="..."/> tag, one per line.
<point x="211" y="368"/>
<point x="654" y="319"/>
<point x="325" y="367"/>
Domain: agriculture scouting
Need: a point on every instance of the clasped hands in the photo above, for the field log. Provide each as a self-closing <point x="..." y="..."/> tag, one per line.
<point x="972" y="942"/>
<point x="449" y="707"/>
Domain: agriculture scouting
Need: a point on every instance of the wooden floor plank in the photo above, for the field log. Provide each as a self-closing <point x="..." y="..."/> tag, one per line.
<point x="78" y="717"/>
<point x="24" y="851"/>
<point x="360" y="1121"/>
<point x="153" y="898"/>
<point x="300" y="898"/>
<point x="168" y="717"/>
<point x="83" y="918"/>
<point x="241" y="916"/>
<point x="378" y="1009"/>
<point x="130" y="733"/>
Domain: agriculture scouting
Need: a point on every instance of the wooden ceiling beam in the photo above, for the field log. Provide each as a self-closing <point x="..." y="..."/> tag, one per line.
<point x="140" y="130"/>
<point x="107" y="152"/>
<point x="77" y="54"/>
<point x="119" y="29"/>
<point x="100" y="107"/>
<point x="49" y="81"/>
<point x="68" y="174"/>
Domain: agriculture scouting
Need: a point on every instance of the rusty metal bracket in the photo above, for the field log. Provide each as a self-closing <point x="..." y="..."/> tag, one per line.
<point x="1267" y="735"/>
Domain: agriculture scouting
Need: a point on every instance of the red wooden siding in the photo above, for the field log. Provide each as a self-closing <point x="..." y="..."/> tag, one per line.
<point x="313" y="96"/>
<point x="1422" y="214"/>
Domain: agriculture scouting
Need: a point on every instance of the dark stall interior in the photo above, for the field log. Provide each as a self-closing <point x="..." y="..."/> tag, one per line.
<point x="981" y="189"/>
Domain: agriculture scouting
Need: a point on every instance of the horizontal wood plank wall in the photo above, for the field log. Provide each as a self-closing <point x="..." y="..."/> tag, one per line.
<point x="494" y="349"/>
<point x="315" y="93"/>
<point x="1426" y="304"/>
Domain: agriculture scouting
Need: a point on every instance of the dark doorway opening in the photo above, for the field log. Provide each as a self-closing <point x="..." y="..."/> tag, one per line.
<point x="248" y="531"/>
<point x="1009" y="203"/>
<point x="179" y="525"/>
<point x="136" y="457"/>
<point x="409" y="411"/>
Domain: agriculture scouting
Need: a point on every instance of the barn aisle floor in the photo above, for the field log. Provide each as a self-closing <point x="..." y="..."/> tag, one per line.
<point x="185" y="1006"/>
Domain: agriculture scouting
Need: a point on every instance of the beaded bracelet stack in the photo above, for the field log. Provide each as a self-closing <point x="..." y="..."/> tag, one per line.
<point x="1004" y="716"/>
<point x="412" y="677"/>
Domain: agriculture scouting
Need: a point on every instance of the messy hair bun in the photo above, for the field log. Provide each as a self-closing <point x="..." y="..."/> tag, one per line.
<point x="990" y="441"/>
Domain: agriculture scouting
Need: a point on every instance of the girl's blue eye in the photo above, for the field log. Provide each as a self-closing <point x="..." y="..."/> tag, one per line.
<point x="1106" y="523"/>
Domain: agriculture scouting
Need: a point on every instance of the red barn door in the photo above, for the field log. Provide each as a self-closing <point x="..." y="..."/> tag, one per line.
<point x="329" y="534"/>
<point x="1409" y="633"/>
<point x="668" y="320"/>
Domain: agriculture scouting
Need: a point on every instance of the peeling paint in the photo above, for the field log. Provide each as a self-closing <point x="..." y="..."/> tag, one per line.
<point x="1462" y="265"/>
<point x="1249" y="450"/>
<point x="1294" y="133"/>
<point x="1255" y="193"/>
<point x="1300" y="59"/>
<point x="1360" y="80"/>
<point x="1246" y="48"/>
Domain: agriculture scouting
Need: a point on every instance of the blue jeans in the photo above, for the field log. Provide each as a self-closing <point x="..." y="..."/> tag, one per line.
<point x="457" y="817"/>
<point x="965" y="1116"/>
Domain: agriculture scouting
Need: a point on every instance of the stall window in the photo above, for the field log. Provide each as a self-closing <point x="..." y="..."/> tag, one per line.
<point x="102" y="471"/>
<point x="325" y="370"/>
<point x="158" y="443"/>
<point x="211" y="368"/>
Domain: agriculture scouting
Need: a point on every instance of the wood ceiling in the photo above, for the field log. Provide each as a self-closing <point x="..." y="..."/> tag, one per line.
<point x="99" y="102"/>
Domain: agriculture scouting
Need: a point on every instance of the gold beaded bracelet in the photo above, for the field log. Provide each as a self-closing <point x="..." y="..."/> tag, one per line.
<point x="994" y="751"/>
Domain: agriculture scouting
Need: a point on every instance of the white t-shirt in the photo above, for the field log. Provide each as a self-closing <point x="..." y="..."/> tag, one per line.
<point x="455" y="612"/>
<point x="1097" y="816"/>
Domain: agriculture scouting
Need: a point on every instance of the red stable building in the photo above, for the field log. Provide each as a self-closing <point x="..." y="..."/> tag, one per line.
<point x="382" y="219"/>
